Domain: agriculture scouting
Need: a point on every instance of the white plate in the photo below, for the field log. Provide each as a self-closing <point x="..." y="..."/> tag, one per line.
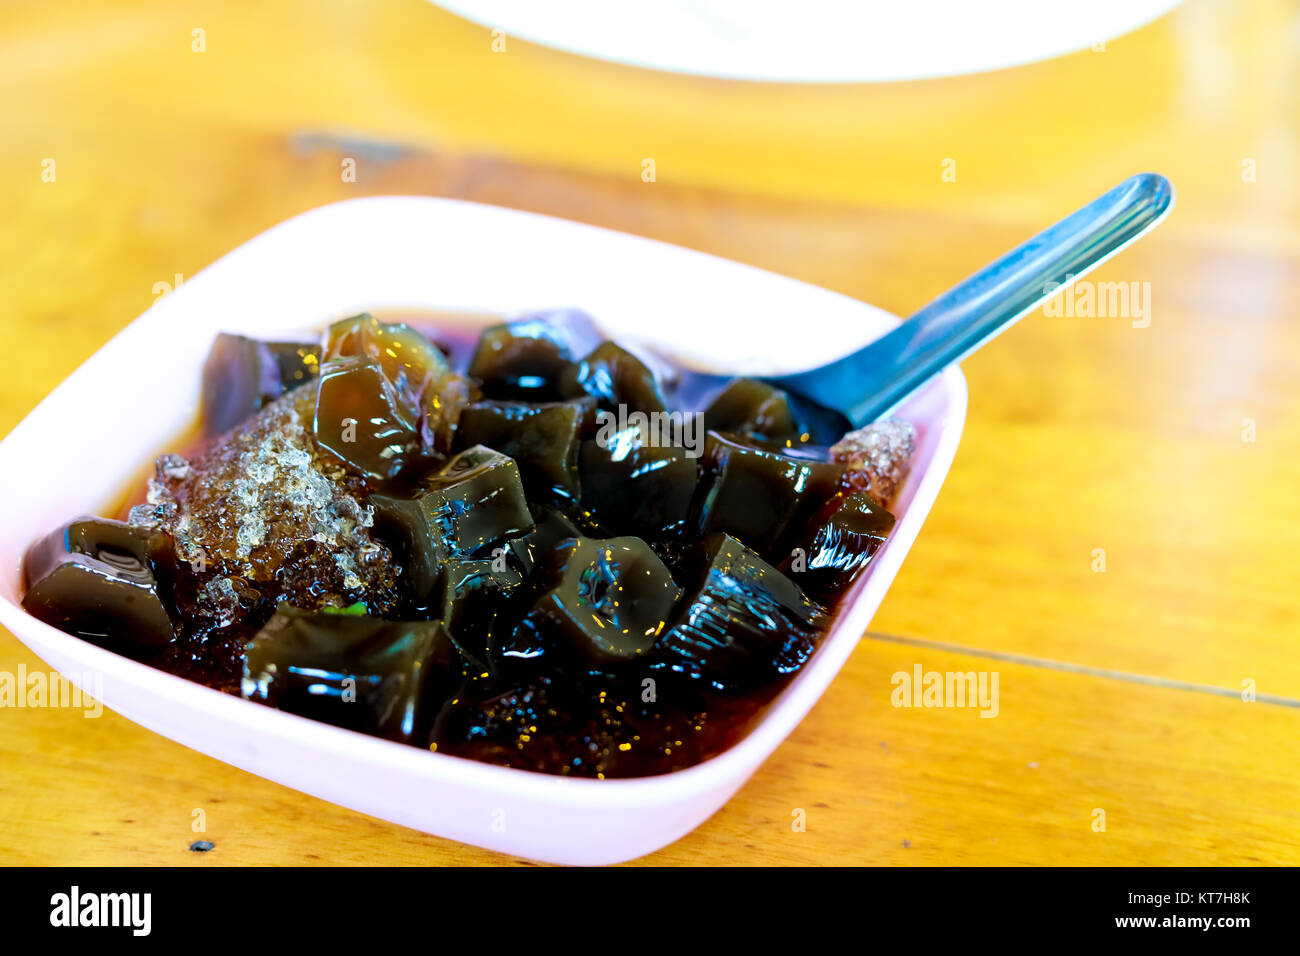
<point x="821" y="41"/>
<point x="80" y="446"/>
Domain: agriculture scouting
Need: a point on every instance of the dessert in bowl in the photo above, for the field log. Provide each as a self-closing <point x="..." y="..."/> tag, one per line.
<point x="525" y="577"/>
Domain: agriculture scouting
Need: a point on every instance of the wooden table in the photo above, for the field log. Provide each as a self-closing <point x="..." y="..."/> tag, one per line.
<point x="1121" y="689"/>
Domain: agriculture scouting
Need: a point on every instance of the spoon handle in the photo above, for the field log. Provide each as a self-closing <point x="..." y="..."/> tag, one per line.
<point x="869" y="383"/>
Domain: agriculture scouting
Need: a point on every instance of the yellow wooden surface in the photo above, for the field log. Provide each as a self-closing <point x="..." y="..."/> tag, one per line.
<point x="1083" y="434"/>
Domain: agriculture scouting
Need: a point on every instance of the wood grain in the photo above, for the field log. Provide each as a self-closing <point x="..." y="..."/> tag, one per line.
<point x="1084" y="433"/>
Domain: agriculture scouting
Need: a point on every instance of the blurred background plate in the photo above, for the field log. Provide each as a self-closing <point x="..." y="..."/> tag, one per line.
<point x="827" y="41"/>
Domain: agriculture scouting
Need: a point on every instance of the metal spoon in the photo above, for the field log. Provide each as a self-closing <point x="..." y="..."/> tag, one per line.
<point x="864" y="386"/>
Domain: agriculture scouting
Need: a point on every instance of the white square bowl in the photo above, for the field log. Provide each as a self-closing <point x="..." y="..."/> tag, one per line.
<point x="81" y="446"/>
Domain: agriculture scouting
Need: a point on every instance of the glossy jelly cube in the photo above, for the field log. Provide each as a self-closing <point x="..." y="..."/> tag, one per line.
<point x="482" y="600"/>
<point x="103" y="580"/>
<point x="524" y="360"/>
<point x="476" y="500"/>
<point x="614" y="376"/>
<point x="471" y="505"/>
<point x="363" y="421"/>
<point x="379" y="677"/>
<point x="241" y="375"/>
<point x="630" y="488"/>
<point x="840" y="546"/>
<point x="407" y="356"/>
<point x="543" y="439"/>
<point x="410" y="528"/>
<point x="428" y="389"/>
<point x="607" y="604"/>
<point x="744" y="626"/>
<point x="763" y="497"/>
<point x="753" y="407"/>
